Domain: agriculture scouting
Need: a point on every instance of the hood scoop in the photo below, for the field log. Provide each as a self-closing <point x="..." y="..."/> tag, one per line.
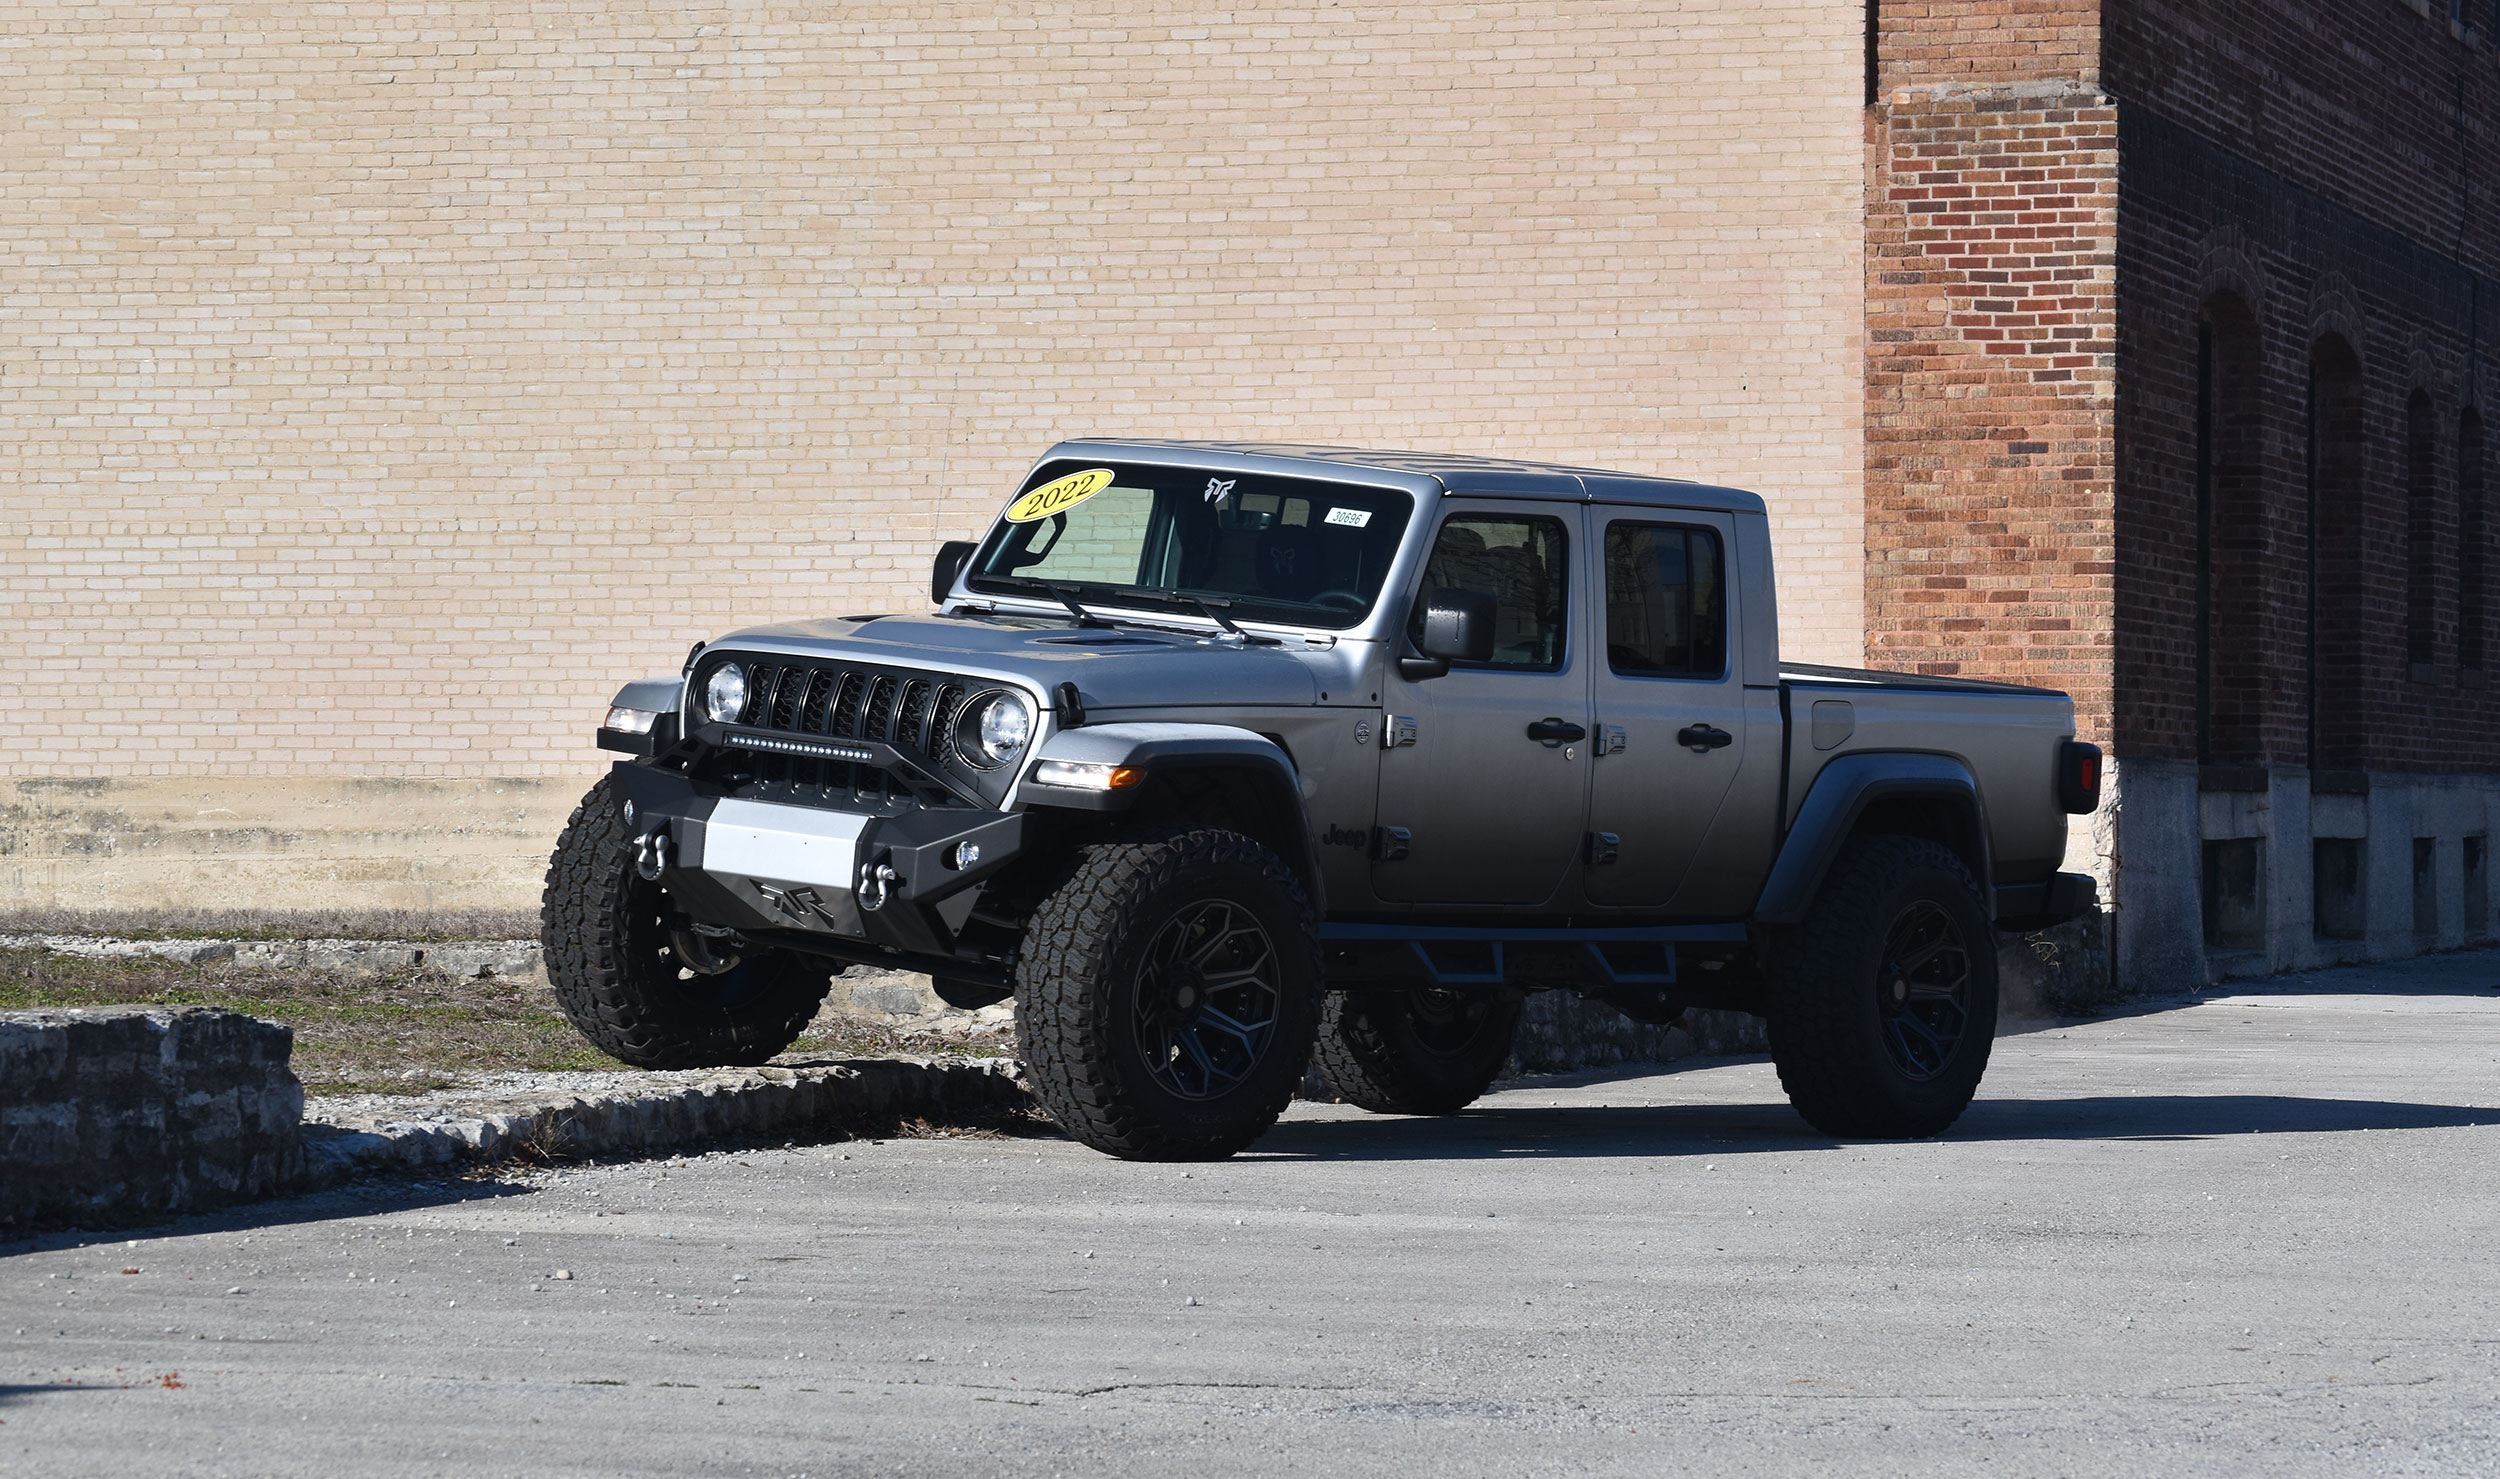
<point x="1088" y="639"/>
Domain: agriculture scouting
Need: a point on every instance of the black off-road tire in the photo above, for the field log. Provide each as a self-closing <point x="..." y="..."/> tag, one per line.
<point x="606" y="934"/>
<point x="1855" y="1033"/>
<point x="1416" y="1052"/>
<point x="1083" y="1001"/>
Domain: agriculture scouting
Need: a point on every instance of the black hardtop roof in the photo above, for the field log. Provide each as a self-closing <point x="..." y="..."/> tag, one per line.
<point x="1424" y="473"/>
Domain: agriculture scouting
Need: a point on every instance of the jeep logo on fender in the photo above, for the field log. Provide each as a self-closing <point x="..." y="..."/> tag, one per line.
<point x="1337" y="836"/>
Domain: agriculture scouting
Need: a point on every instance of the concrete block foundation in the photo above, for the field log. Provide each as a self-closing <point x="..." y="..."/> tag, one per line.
<point x="115" y="1115"/>
<point x="2220" y="879"/>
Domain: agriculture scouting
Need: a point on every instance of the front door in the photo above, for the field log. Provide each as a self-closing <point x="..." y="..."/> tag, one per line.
<point x="1670" y="702"/>
<point x="1486" y="768"/>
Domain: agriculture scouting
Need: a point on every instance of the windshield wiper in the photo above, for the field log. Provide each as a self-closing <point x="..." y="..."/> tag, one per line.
<point x="1084" y="618"/>
<point x="1214" y="611"/>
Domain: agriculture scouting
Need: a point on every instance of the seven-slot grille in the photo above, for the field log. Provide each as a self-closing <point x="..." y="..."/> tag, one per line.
<point x="914" y="712"/>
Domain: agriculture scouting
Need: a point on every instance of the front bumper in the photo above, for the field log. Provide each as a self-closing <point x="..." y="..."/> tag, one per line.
<point x="897" y="883"/>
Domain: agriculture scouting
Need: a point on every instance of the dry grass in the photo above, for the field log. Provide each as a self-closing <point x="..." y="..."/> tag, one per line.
<point x="389" y="1032"/>
<point x="266" y="924"/>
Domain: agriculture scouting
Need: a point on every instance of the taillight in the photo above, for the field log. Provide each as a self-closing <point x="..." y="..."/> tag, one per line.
<point x="2078" y="776"/>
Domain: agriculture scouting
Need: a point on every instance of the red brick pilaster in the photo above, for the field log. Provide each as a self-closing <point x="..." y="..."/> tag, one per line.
<point x="1991" y="306"/>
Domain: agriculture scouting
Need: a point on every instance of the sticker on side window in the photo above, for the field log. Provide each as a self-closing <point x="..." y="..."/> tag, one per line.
<point x="1351" y="518"/>
<point x="1059" y="495"/>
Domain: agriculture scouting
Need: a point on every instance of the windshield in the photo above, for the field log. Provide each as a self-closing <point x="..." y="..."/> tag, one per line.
<point x="1290" y="550"/>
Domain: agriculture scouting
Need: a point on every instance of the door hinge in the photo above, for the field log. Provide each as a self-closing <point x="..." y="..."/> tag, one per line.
<point x="1389" y="844"/>
<point x="1396" y="730"/>
<point x="1603" y="847"/>
<point x="1611" y="739"/>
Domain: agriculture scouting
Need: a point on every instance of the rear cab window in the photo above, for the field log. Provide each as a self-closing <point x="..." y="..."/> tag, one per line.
<point x="1666" y="600"/>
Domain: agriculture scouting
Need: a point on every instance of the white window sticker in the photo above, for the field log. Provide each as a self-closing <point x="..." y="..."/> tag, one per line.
<point x="1218" y="488"/>
<point x="1351" y="518"/>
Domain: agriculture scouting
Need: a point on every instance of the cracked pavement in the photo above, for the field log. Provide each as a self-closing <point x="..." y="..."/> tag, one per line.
<point x="2254" y="1233"/>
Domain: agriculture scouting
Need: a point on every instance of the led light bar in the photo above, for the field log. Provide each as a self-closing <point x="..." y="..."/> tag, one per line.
<point x="812" y="748"/>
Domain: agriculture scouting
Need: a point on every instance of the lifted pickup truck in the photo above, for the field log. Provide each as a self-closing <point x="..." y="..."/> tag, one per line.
<point x="1217" y="754"/>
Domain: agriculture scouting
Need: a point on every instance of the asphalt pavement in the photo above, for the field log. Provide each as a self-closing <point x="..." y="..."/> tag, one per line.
<point x="2255" y="1233"/>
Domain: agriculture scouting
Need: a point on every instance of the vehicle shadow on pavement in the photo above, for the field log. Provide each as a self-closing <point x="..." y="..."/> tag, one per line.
<point x="12" y="1392"/>
<point x="1740" y="1129"/>
<point x="371" y="1197"/>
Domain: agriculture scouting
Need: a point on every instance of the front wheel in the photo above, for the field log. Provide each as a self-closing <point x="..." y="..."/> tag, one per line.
<point x="1416" y="1052"/>
<point x="1167" y="993"/>
<point x="634" y="977"/>
<point x="1884" y="1004"/>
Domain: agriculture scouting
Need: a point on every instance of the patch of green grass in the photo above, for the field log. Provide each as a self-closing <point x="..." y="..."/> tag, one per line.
<point x="403" y="1032"/>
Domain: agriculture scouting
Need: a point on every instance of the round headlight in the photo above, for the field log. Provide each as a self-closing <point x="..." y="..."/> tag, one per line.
<point x="997" y="728"/>
<point x="725" y="697"/>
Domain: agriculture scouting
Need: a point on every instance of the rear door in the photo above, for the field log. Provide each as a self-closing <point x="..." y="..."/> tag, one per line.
<point x="1669" y="699"/>
<point x="1485" y="769"/>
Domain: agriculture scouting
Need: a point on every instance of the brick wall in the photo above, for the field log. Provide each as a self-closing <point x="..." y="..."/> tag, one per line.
<point x="2316" y="168"/>
<point x="1991" y="282"/>
<point x="1926" y="44"/>
<point x="2289" y="171"/>
<point x="384" y="382"/>
<point x="2378" y="107"/>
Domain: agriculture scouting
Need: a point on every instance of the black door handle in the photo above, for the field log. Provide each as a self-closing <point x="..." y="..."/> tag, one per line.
<point x="1701" y="737"/>
<point x="1556" y="732"/>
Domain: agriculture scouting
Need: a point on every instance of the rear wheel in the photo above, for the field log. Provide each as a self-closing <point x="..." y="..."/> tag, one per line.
<point x="1167" y="993"/>
<point x="632" y="974"/>
<point x="1416" y="1052"/>
<point x="1884" y="1005"/>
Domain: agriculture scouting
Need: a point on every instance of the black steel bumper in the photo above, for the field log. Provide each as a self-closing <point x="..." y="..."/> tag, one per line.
<point x="854" y="885"/>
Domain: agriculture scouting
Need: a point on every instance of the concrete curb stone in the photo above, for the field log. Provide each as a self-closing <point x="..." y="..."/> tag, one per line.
<point x="645" y="1112"/>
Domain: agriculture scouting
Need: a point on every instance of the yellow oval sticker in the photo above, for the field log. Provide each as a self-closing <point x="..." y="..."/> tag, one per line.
<point x="1059" y="496"/>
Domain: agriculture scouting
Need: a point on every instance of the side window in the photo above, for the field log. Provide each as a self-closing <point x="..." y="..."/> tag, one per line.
<point x="1523" y="564"/>
<point x="1666" y="603"/>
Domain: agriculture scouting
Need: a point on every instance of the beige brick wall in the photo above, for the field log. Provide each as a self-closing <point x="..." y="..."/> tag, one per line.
<point x="382" y="382"/>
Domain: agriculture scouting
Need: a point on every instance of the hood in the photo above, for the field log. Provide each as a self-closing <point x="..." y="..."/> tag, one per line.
<point x="1127" y="668"/>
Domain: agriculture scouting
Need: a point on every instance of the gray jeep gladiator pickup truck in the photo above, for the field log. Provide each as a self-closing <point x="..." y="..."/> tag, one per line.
<point x="1215" y="755"/>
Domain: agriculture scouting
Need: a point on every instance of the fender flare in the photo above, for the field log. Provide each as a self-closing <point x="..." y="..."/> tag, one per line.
<point x="1161" y="748"/>
<point x="652" y="696"/>
<point x="1841" y="795"/>
<point x="657" y="695"/>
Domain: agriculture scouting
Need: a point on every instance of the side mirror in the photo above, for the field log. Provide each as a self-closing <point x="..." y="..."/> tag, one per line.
<point x="952" y="556"/>
<point x="1458" y="627"/>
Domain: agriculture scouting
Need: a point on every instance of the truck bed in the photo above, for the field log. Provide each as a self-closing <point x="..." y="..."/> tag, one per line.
<point x="2006" y="735"/>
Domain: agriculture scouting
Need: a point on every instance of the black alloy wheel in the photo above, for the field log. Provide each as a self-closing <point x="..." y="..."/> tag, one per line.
<point x="1427" y="1050"/>
<point x="1446" y="1021"/>
<point x="1923" y="990"/>
<point x="1167" y="992"/>
<point x="1882" y="1002"/>
<point x="1207" y="1000"/>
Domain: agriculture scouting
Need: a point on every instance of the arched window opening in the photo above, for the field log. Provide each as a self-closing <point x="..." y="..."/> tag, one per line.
<point x="2232" y="536"/>
<point x="2341" y="626"/>
<point x="2421" y="540"/>
<point x="2473" y="548"/>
